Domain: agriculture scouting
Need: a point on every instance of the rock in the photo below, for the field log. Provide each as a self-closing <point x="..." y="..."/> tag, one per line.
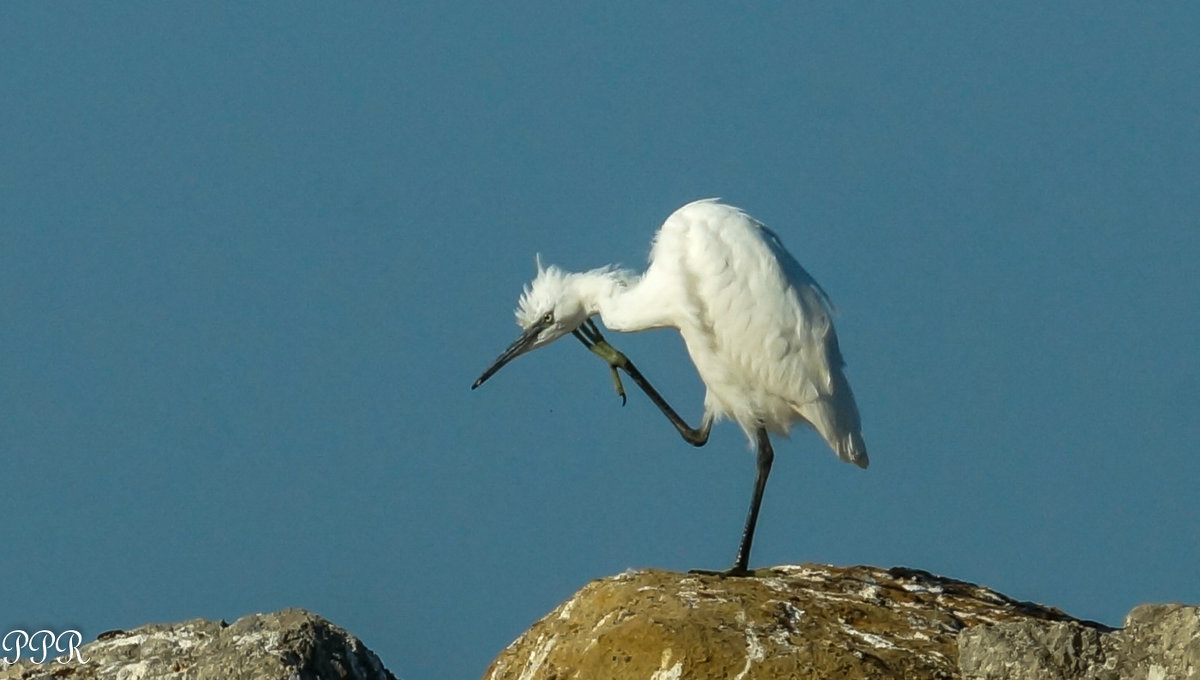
<point x="1158" y="642"/>
<point x="292" y="644"/>
<point x="809" y="621"/>
<point x="1027" y="649"/>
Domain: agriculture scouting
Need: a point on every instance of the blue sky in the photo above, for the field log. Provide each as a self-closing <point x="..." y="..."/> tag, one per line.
<point x="252" y="258"/>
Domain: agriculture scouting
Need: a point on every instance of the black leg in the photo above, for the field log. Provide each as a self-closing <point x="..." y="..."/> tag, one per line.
<point x="766" y="455"/>
<point x="692" y="435"/>
<point x="591" y="338"/>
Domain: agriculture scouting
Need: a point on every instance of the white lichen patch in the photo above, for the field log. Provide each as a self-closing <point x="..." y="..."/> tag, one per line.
<point x="184" y="639"/>
<point x="665" y="670"/>
<point x="914" y="635"/>
<point x="755" y="652"/>
<point x="922" y="588"/>
<point x="702" y="596"/>
<point x="778" y="585"/>
<point x="537" y="657"/>
<point x="868" y="592"/>
<point x="975" y="616"/>
<point x="849" y="598"/>
<point x="933" y="652"/>
<point x="798" y="571"/>
<point x="267" y="640"/>
<point x="789" y="623"/>
<point x="869" y="638"/>
<point x="180" y="640"/>
<point x="597" y="628"/>
<point x="689" y="597"/>
<point x="134" y="671"/>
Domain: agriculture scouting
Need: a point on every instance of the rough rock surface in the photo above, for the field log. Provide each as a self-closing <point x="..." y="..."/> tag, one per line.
<point x="292" y="644"/>
<point x="808" y="621"/>
<point x="1158" y="642"/>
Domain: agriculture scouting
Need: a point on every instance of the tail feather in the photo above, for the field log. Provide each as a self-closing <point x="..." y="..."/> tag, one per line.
<point x="853" y="449"/>
<point x="836" y="419"/>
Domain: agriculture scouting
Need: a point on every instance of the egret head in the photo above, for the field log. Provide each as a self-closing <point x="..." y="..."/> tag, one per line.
<point x="550" y="308"/>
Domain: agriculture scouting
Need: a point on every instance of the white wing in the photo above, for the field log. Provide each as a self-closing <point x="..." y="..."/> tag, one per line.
<point x="818" y="361"/>
<point x="758" y="326"/>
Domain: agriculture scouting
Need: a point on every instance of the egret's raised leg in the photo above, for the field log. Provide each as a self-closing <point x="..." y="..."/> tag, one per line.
<point x="591" y="338"/>
<point x="766" y="455"/>
<point x="696" y="436"/>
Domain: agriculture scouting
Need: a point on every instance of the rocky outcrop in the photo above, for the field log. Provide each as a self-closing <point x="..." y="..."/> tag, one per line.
<point x="809" y="621"/>
<point x="1158" y="642"/>
<point x="292" y="644"/>
<point x="818" y="621"/>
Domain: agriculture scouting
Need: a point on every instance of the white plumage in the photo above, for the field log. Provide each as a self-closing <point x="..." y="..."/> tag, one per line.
<point x="757" y="326"/>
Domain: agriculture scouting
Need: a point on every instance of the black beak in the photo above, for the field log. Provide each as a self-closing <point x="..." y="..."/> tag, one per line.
<point x="519" y="347"/>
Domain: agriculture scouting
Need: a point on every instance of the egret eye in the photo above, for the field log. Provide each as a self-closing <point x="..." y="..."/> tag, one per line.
<point x="548" y="318"/>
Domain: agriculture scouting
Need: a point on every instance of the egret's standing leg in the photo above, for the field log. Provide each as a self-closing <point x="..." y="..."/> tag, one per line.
<point x="766" y="455"/>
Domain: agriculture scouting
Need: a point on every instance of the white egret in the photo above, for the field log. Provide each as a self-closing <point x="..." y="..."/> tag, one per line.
<point x="757" y="327"/>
